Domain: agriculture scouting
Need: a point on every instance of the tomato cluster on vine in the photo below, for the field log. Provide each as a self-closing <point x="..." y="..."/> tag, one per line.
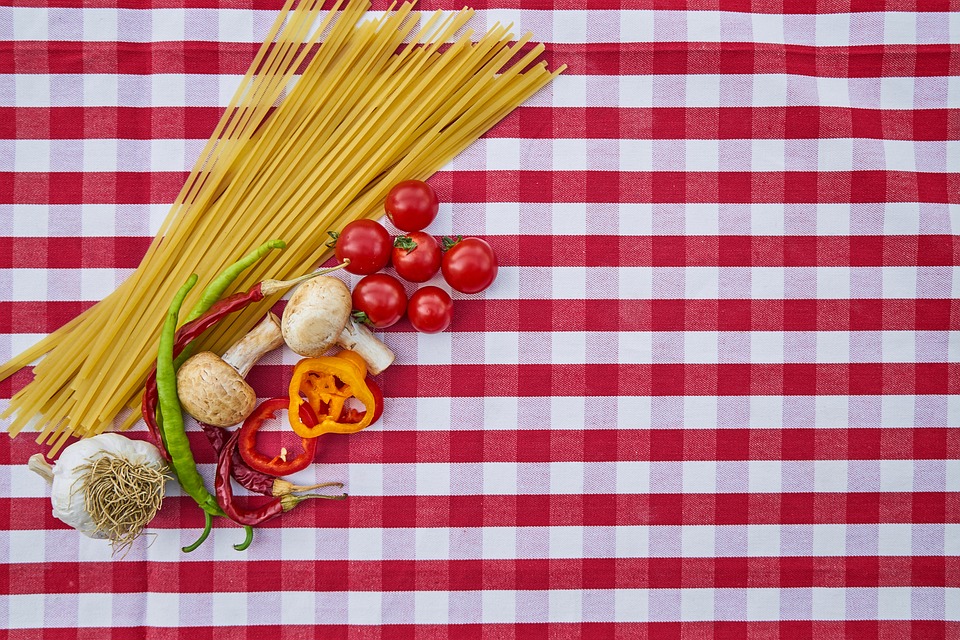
<point x="468" y="265"/>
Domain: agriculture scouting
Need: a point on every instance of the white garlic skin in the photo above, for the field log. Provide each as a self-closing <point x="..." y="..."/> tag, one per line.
<point x="67" y="491"/>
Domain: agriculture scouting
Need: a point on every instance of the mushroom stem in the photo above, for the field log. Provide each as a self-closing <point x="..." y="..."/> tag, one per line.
<point x="264" y="337"/>
<point x="270" y="287"/>
<point x="39" y="465"/>
<point x="357" y="337"/>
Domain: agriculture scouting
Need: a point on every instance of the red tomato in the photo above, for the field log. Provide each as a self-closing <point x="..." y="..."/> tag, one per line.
<point x="412" y="205"/>
<point x="430" y="310"/>
<point x="470" y="265"/>
<point x="380" y="299"/>
<point x="416" y="256"/>
<point x="366" y="243"/>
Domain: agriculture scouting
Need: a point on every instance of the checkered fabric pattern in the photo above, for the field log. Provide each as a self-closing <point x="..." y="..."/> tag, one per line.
<point x="713" y="392"/>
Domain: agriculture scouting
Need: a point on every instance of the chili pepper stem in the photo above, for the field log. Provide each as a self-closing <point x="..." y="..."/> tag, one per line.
<point x="289" y="501"/>
<point x="281" y="487"/>
<point x="270" y="287"/>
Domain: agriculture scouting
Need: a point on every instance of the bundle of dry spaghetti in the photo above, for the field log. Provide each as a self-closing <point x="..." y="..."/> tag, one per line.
<point x="326" y="120"/>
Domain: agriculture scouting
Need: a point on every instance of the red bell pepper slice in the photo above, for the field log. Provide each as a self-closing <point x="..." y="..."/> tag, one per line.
<point x="276" y="465"/>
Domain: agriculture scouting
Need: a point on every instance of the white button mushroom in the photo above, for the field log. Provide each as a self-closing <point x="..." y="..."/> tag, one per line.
<point x="212" y="389"/>
<point x="318" y="316"/>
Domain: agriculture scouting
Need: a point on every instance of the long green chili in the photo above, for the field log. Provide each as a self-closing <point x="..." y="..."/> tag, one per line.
<point x="173" y="433"/>
<point x="184" y="466"/>
<point x="222" y="282"/>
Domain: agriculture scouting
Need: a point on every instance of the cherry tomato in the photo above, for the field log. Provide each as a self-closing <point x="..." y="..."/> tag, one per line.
<point x="416" y="256"/>
<point x="470" y="265"/>
<point x="380" y="299"/>
<point x="411" y="205"/>
<point x="430" y="310"/>
<point x="366" y="243"/>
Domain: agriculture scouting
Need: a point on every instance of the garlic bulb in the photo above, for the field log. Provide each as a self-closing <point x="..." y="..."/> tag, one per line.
<point x="107" y="486"/>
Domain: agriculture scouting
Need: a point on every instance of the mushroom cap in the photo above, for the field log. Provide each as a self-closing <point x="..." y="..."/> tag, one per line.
<point x="213" y="392"/>
<point x="316" y="315"/>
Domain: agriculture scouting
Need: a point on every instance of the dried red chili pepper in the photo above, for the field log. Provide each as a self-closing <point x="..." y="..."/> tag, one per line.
<point x="272" y="509"/>
<point x="275" y="465"/>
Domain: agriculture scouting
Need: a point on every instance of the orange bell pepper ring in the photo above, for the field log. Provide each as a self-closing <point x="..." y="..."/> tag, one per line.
<point x="326" y="383"/>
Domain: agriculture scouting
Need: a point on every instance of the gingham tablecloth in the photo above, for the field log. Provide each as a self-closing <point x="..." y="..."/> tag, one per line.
<point x="711" y="394"/>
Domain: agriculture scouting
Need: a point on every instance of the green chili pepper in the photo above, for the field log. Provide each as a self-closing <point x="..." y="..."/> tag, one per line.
<point x="220" y="284"/>
<point x="184" y="466"/>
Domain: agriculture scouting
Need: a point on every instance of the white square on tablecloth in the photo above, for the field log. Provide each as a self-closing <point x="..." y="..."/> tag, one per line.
<point x="701" y="155"/>
<point x="767" y="27"/>
<point x="697" y="604"/>
<point x="829" y="539"/>
<point x="835" y="154"/>
<point x="566" y="605"/>
<point x="230" y="608"/>
<point x="767" y="155"/>
<point x="431" y="543"/>
<point x="430" y="607"/>
<point x="829" y="603"/>
<point x="171" y="22"/>
<point x="632" y="542"/>
<point x="894" y="539"/>
<point x="763" y="540"/>
<point x="766" y="476"/>
<point x="830" y="476"/>
<point x="833" y="219"/>
<point x="499" y="605"/>
<point x="366" y="544"/>
<point x="698" y="541"/>
<point x="433" y="479"/>
<point x="702" y="90"/>
<point x="699" y="412"/>
<point x="833" y="346"/>
<point x="700" y="347"/>
<point x="30" y="23"/>
<point x="901" y="218"/>
<point x="29" y="155"/>
<point x="899" y="27"/>
<point x="364" y="607"/>
<point x="30" y="91"/>
<point x="831" y="411"/>
<point x="566" y="478"/>
<point x="499" y="542"/>
<point x="635" y="91"/>
<point x="762" y="602"/>
<point x="566" y="542"/>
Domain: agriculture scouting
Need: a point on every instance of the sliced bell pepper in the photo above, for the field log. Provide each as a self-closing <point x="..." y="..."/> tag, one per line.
<point x="327" y="383"/>
<point x="276" y="465"/>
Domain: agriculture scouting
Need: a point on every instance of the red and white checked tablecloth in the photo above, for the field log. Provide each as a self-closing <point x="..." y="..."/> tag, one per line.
<point x="711" y="394"/>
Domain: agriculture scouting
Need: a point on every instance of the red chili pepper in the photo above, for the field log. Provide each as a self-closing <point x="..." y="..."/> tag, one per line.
<point x="275" y="465"/>
<point x="252" y="517"/>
